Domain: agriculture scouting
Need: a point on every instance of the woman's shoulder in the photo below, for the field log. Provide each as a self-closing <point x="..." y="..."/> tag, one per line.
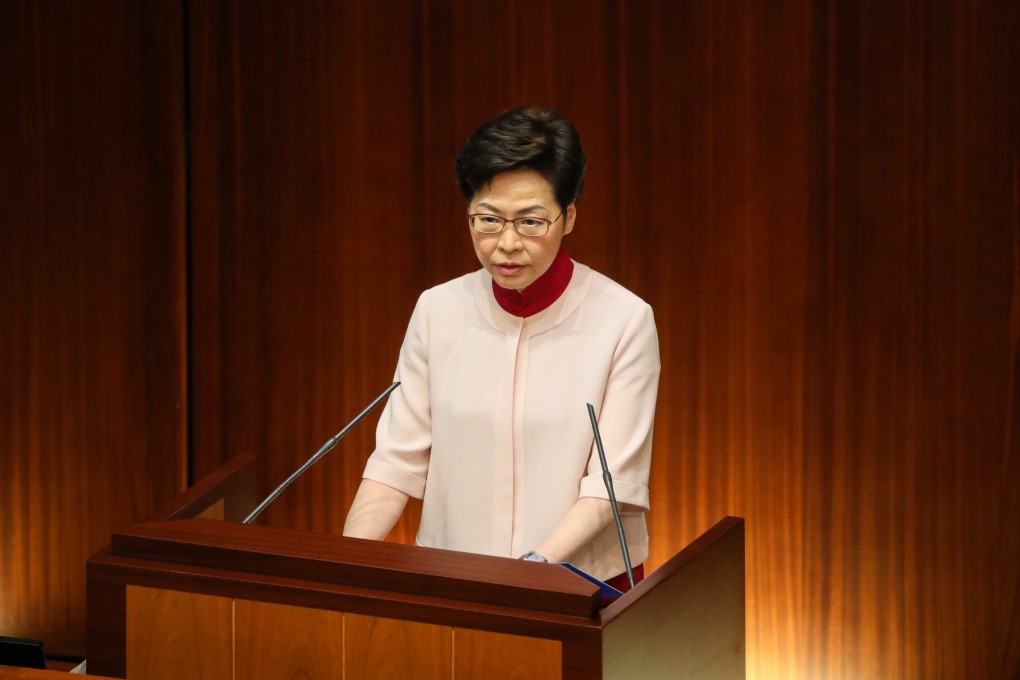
<point x="606" y="291"/>
<point x="451" y="294"/>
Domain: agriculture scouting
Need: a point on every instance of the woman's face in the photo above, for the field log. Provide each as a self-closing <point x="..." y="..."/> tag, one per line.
<point x="516" y="261"/>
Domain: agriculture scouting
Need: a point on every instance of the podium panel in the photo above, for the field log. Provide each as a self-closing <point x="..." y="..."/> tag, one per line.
<point x="691" y="614"/>
<point x="481" y="654"/>
<point x="214" y="598"/>
<point x="173" y="634"/>
<point x="283" y="641"/>
<point x="389" y="648"/>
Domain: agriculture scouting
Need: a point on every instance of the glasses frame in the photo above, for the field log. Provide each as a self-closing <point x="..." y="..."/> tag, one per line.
<point x="548" y="223"/>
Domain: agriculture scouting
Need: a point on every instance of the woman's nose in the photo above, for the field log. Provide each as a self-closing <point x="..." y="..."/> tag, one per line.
<point x="509" y="239"/>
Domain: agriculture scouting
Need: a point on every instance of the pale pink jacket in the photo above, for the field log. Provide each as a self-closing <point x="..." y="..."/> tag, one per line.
<point x="490" y="424"/>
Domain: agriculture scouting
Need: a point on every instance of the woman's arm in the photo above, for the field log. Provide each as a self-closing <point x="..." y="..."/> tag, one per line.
<point x="585" y="520"/>
<point x="375" y="510"/>
<point x="397" y="468"/>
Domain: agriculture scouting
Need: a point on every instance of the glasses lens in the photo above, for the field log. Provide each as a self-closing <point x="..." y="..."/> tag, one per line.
<point x="532" y="226"/>
<point x="487" y="224"/>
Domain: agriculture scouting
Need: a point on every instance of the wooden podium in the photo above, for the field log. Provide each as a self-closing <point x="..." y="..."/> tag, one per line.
<point x="196" y="594"/>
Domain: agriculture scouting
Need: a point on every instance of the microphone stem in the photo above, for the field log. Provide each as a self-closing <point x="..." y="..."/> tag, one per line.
<point x="318" y="454"/>
<point x="608" y="479"/>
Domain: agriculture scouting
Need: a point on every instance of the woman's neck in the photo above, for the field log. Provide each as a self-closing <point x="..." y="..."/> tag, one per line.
<point x="544" y="291"/>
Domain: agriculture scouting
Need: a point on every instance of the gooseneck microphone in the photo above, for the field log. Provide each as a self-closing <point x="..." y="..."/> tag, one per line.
<point x="318" y="454"/>
<point x="608" y="479"/>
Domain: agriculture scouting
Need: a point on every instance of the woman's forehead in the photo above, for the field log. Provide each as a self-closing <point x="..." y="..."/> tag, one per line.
<point x="517" y="190"/>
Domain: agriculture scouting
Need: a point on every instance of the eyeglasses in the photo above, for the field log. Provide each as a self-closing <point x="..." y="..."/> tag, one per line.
<point x="525" y="226"/>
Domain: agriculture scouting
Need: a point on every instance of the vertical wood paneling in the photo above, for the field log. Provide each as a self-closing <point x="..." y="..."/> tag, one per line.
<point x="303" y="243"/>
<point x="92" y="410"/>
<point x="819" y="200"/>
<point x="917" y="294"/>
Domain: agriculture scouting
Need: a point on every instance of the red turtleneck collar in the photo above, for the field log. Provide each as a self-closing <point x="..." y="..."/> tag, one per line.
<point x="546" y="289"/>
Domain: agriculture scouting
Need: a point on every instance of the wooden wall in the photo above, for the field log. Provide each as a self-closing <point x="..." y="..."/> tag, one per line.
<point x="820" y="200"/>
<point x="92" y="293"/>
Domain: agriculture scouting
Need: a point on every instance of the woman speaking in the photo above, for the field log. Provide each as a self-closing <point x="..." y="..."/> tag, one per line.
<point x="490" y="426"/>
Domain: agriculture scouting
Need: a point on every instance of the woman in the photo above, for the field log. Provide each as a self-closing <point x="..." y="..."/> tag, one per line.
<point x="490" y="425"/>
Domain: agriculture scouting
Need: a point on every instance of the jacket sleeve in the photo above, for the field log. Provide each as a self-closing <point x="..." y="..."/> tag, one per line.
<point x="626" y="416"/>
<point x="404" y="433"/>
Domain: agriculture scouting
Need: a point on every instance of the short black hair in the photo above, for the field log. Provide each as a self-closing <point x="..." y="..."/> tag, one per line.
<point x="525" y="137"/>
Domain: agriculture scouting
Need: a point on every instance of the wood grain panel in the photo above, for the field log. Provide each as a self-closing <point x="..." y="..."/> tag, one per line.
<point x="376" y="647"/>
<point x="299" y="154"/>
<point x="214" y="511"/>
<point x="279" y="641"/>
<point x="480" y="654"/>
<point x="688" y="619"/>
<point x="914" y="279"/>
<point x="172" y="634"/>
<point x="92" y="380"/>
<point x="818" y="199"/>
<point x="12" y="673"/>
<point x="831" y="313"/>
<point x="106" y="618"/>
<point x="726" y="179"/>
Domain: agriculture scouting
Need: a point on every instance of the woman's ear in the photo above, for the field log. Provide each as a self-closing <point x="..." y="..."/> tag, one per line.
<point x="569" y="215"/>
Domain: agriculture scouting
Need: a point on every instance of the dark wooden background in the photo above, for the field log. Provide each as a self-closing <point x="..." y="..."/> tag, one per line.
<point x="216" y="217"/>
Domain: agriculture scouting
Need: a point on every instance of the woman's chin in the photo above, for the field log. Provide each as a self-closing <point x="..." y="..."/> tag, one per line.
<point x="516" y="280"/>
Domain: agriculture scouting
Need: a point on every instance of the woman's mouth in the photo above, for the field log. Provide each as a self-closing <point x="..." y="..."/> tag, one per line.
<point x="509" y="269"/>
